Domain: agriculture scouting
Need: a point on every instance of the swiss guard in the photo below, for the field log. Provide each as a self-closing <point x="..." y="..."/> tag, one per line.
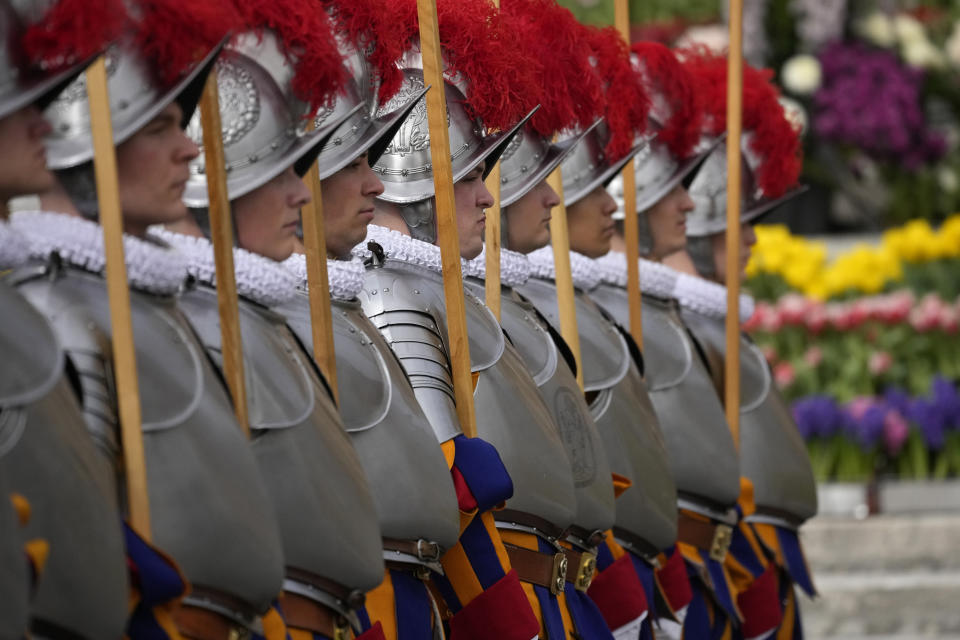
<point x="783" y="495"/>
<point x="645" y="523"/>
<point x="208" y="503"/>
<point x="272" y="78"/>
<point x="51" y="467"/>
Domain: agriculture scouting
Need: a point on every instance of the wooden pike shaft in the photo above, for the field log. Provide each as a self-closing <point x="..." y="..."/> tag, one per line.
<point x="566" y="302"/>
<point x="221" y="233"/>
<point x="734" y="129"/>
<point x="631" y="231"/>
<point x="446" y="215"/>
<point x="492" y="239"/>
<point x="124" y="354"/>
<point x="318" y="283"/>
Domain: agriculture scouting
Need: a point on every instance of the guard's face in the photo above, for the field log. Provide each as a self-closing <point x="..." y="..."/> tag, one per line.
<point x="591" y="225"/>
<point x="668" y="222"/>
<point x="472" y="198"/>
<point x="267" y="218"/>
<point x="748" y="238"/>
<point x="152" y="168"/>
<point x="528" y="219"/>
<point x="23" y="163"/>
<point x="348" y="200"/>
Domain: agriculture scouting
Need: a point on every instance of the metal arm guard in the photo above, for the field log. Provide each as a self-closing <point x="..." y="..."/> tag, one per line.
<point x="194" y="448"/>
<point x="772" y="452"/>
<point x="691" y="414"/>
<point x="328" y="522"/>
<point x="49" y="458"/>
<point x="407" y="471"/>
<point x="646" y="514"/>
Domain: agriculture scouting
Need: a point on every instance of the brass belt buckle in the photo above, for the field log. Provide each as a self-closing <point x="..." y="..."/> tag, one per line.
<point x="559" y="577"/>
<point x="341" y="629"/>
<point x="586" y="571"/>
<point x="722" y="537"/>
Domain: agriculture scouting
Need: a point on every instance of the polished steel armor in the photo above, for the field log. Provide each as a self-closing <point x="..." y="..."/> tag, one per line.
<point x="263" y="126"/>
<point x="194" y="447"/>
<point x="691" y="415"/>
<point x="646" y="512"/>
<point x="587" y="166"/>
<point x="773" y="454"/>
<point x="405" y="302"/>
<point x="49" y="458"/>
<point x="411" y="484"/>
<point x="135" y="99"/>
<point x="327" y="518"/>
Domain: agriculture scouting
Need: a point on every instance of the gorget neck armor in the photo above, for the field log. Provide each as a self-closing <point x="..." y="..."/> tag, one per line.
<point x="259" y="279"/>
<point x="514" y="268"/>
<point x="152" y="265"/>
<point x="345" y="277"/>
<point x="586" y="276"/>
<point x="14" y="250"/>
<point x="708" y="298"/>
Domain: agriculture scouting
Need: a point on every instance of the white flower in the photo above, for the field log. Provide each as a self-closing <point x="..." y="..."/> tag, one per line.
<point x="953" y="45"/>
<point x="801" y="74"/>
<point x="878" y="29"/>
<point x="908" y="29"/>
<point x="922" y="54"/>
<point x="947" y="179"/>
<point x="714" y="37"/>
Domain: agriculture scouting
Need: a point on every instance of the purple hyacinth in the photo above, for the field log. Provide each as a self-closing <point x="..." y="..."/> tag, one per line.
<point x="868" y="430"/>
<point x="947" y="399"/>
<point x="931" y="420"/>
<point x="817" y="415"/>
<point x="871" y="100"/>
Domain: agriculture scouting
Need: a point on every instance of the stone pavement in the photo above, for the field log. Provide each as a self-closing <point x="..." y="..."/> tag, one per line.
<point x="884" y="577"/>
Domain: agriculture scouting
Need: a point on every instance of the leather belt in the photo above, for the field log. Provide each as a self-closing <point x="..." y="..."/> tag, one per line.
<point x="546" y="528"/>
<point x="585" y="538"/>
<point x="706" y="536"/>
<point x="351" y="598"/>
<point x="581" y="567"/>
<point x="422" y="550"/>
<point x="546" y="570"/>
<point x="197" y="623"/>
<point x="303" y="613"/>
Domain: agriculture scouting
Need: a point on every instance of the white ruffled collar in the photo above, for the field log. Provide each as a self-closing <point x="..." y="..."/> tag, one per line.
<point x="655" y="279"/>
<point x="259" y="278"/>
<point x="152" y="265"/>
<point x="586" y="275"/>
<point x="398" y="246"/>
<point x="708" y="298"/>
<point x="514" y="267"/>
<point x="344" y="276"/>
<point x="14" y="250"/>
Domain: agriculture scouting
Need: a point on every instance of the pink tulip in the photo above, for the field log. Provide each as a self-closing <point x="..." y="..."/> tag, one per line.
<point x="816" y="318"/>
<point x="784" y="374"/>
<point x="813" y="357"/>
<point x="948" y="320"/>
<point x="793" y="308"/>
<point x="879" y="362"/>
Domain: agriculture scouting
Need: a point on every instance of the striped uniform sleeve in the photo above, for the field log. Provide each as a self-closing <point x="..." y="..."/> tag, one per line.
<point x="480" y="591"/>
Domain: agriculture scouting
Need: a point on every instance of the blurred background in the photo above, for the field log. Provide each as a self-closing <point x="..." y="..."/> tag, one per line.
<point x="858" y="290"/>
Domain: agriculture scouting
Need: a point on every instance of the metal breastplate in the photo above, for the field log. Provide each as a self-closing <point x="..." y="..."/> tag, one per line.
<point x="772" y="452"/>
<point x="609" y="359"/>
<point x="405" y="468"/>
<point x="49" y="458"/>
<point x="320" y="495"/>
<point x="193" y="445"/>
<point x="702" y="454"/>
<point x="558" y="388"/>
<point x="405" y="302"/>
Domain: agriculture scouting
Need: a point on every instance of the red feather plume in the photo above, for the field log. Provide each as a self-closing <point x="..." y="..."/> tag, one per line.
<point x="567" y="87"/>
<point x="72" y="31"/>
<point x="775" y="140"/>
<point x="627" y="101"/>
<point x="305" y="31"/>
<point x="174" y="35"/>
<point x="480" y="46"/>
<point x="671" y="80"/>
<point x="369" y="27"/>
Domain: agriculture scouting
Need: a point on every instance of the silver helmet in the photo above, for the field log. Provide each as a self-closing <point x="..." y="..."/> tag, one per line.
<point x="406" y="167"/>
<point x="709" y="192"/>
<point x="19" y="85"/>
<point x="529" y="158"/>
<point x="588" y="166"/>
<point x="264" y="129"/>
<point x="363" y="130"/>
<point x="135" y="99"/>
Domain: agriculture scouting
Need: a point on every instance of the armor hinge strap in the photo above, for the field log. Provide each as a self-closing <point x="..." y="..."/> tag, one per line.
<point x="704" y="535"/>
<point x="581" y="568"/>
